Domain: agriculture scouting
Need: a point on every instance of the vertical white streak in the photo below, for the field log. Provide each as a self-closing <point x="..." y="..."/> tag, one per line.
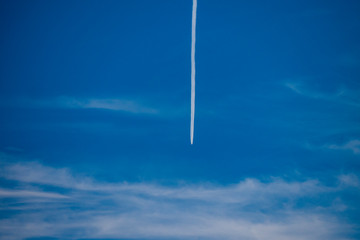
<point x="193" y="71"/>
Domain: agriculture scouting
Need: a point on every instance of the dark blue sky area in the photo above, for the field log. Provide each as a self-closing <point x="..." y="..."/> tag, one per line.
<point x="104" y="87"/>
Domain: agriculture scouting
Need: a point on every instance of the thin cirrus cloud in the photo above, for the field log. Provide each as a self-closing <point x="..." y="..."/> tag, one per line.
<point x="133" y="106"/>
<point x="353" y="145"/>
<point x="343" y="95"/>
<point x="5" y="193"/>
<point x="54" y="202"/>
<point x="130" y="106"/>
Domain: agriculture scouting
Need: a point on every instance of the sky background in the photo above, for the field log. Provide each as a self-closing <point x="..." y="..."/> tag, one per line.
<point x="95" y="120"/>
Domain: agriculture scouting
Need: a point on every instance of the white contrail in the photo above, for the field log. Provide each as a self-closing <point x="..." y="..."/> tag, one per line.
<point x="193" y="71"/>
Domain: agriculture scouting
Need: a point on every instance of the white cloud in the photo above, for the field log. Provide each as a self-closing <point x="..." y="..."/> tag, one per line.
<point x="108" y="104"/>
<point x="5" y="193"/>
<point x="353" y="145"/>
<point x="350" y="180"/>
<point x="81" y="207"/>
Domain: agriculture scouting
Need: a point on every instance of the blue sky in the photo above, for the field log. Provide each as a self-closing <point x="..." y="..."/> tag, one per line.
<point x="95" y="118"/>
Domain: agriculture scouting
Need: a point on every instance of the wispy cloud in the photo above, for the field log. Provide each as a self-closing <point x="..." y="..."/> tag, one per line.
<point x="131" y="106"/>
<point x="349" y="180"/>
<point x="342" y="95"/>
<point x="353" y="145"/>
<point x="6" y="193"/>
<point x="74" y="206"/>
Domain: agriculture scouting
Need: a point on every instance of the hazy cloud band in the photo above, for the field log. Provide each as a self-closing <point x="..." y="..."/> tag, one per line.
<point x="55" y="202"/>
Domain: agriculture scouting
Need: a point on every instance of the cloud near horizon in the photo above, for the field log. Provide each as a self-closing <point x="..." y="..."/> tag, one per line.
<point x="54" y="202"/>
